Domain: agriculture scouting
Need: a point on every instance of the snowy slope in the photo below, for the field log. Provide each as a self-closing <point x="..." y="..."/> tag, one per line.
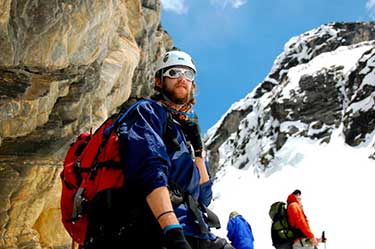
<point x="337" y="192"/>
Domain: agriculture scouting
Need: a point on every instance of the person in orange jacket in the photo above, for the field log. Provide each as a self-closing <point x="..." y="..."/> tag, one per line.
<point x="297" y="219"/>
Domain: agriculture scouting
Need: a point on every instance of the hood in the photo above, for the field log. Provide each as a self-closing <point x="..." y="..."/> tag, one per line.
<point x="292" y="198"/>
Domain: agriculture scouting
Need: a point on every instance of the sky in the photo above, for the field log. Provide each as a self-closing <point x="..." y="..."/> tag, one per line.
<point x="235" y="42"/>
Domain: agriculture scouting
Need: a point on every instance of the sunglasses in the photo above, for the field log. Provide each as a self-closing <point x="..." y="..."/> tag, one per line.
<point x="176" y="73"/>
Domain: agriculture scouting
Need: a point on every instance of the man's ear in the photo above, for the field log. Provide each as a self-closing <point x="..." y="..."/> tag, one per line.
<point x="157" y="83"/>
<point x="194" y="88"/>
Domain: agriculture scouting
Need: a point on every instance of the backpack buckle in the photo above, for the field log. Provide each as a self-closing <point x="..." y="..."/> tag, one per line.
<point x="78" y="204"/>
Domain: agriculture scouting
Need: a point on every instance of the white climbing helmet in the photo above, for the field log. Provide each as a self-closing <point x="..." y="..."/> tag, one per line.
<point x="175" y="58"/>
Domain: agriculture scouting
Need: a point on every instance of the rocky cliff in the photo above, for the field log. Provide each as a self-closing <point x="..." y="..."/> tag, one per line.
<point x="322" y="83"/>
<point x="64" y="67"/>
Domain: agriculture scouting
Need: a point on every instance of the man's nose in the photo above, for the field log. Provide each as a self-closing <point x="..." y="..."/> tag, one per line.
<point x="182" y="77"/>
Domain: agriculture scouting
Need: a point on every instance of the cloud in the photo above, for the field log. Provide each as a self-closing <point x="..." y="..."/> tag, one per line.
<point x="233" y="3"/>
<point x="177" y="6"/>
<point x="370" y="5"/>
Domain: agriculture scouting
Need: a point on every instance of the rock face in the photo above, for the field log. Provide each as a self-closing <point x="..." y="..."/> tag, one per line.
<point x="322" y="83"/>
<point x="64" y="67"/>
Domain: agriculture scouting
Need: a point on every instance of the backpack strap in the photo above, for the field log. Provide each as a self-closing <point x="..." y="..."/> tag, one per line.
<point x="168" y="134"/>
<point x="168" y="131"/>
<point x="194" y="208"/>
<point x="212" y="219"/>
<point x="178" y="196"/>
<point x="281" y="211"/>
<point x="296" y="231"/>
<point x="107" y="132"/>
<point x="121" y="117"/>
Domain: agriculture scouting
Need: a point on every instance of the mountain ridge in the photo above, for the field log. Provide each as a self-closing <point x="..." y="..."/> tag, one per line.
<point x="302" y="86"/>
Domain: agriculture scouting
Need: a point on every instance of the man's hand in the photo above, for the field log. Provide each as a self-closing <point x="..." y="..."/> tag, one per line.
<point x="315" y="241"/>
<point x="174" y="238"/>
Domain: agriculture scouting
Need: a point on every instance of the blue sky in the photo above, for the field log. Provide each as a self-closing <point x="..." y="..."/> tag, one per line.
<point x="235" y="42"/>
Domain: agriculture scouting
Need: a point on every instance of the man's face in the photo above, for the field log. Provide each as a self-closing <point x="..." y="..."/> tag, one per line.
<point x="179" y="90"/>
<point x="299" y="198"/>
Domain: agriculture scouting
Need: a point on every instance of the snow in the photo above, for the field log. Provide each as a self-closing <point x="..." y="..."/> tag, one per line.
<point x="345" y="56"/>
<point x="365" y="104"/>
<point x="337" y="186"/>
<point x="297" y="47"/>
<point x="285" y="126"/>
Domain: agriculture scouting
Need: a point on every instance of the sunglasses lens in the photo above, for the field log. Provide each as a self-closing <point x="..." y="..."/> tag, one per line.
<point x="175" y="73"/>
<point x="189" y="75"/>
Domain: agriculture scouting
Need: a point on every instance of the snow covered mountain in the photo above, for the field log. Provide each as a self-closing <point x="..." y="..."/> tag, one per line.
<point x="322" y="82"/>
<point x="310" y="125"/>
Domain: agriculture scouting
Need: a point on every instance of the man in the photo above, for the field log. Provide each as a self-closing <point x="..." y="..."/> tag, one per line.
<point x="297" y="219"/>
<point x="167" y="189"/>
<point x="239" y="232"/>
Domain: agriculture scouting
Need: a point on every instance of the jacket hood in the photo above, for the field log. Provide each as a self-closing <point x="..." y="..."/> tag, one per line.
<point x="292" y="198"/>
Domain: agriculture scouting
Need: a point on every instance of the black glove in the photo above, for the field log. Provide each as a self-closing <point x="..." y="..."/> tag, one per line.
<point x="192" y="132"/>
<point x="174" y="239"/>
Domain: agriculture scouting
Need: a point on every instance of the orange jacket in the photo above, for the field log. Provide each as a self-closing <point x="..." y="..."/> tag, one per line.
<point x="296" y="216"/>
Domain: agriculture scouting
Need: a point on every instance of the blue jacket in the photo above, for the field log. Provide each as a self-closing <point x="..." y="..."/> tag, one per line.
<point x="240" y="233"/>
<point x="150" y="161"/>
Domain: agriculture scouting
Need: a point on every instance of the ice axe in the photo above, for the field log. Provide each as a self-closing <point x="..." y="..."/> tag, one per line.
<point x="324" y="239"/>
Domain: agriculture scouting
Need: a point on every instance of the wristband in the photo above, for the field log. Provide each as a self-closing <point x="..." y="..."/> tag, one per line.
<point x="170" y="227"/>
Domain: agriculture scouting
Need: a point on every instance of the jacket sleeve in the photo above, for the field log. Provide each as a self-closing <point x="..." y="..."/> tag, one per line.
<point x="231" y="227"/>
<point x="142" y="148"/>
<point x="298" y="219"/>
<point x="205" y="194"/>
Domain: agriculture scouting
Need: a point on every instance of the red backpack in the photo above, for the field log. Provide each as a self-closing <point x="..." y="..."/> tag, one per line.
<point x="91" y="165"/>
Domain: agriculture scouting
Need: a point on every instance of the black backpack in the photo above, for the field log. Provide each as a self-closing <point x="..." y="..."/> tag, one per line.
<point x="281" y="231"/>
